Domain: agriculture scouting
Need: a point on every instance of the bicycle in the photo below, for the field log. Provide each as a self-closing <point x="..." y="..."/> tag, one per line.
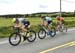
<point x="62" y="28"/>
<point x="17" y="36"/>
<point x="43" y="32"/>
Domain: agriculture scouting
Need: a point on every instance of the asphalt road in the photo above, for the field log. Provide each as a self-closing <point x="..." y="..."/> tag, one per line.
<point x="61" y="43"/>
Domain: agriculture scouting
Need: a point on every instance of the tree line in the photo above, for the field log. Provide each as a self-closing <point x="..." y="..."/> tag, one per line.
<point x="52" y="14"/>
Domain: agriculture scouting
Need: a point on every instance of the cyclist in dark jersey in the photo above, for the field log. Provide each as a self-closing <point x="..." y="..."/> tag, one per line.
<point x="26" y="23"/>
<point x="22" y="23"/>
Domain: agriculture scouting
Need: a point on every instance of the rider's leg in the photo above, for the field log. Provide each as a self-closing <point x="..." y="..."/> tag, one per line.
<point x="58" y="25"/>
<point x="45" y="23"/>
<point x="49" y="27"/>
<point x="63" y="24"/>
<point x="23" y="29"/>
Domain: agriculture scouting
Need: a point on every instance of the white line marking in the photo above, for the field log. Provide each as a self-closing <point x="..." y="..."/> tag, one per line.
<point x="4" y="42"/>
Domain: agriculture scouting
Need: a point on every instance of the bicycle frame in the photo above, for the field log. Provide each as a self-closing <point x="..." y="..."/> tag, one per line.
<point x="60" y="27"/>
<point x="45" y="32"/>
<point x="44" y="28"/>
<point x="18" y="30"/>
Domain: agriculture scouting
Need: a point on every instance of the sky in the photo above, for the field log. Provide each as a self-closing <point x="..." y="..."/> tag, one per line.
<point x="34" y="6"/>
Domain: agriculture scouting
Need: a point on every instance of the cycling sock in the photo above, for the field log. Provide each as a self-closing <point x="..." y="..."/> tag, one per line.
<point x="24" y="38"/>
<point x="28" y="34"/>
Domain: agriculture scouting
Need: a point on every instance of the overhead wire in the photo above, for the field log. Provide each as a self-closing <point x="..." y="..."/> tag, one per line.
<point x="68" y="1"/>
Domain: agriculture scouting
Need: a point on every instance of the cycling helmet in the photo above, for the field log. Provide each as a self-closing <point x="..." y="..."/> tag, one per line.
<point x="13" y="20"/>
<point x="57" y="16"/>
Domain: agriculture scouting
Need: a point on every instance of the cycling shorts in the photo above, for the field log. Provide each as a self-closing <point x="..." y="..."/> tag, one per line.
<point x="49" y="23"/>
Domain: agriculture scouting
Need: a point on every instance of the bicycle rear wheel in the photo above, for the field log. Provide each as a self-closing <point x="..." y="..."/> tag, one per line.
<point x="65" y="29"/>
<point x="53" y="32"/>
<point x="61" y="28"/>
<point x="32" y="36"/>
<point x="14" y="39"/>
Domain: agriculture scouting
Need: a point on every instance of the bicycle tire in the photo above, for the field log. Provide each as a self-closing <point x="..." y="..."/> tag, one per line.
<point x="28" y="38"/>
<point x="39" y="35"/>
<point x="12" y="36"/>
<point x="61" y="29"/>
<point x="65" y="29"/>
<point x="53" y="32"/>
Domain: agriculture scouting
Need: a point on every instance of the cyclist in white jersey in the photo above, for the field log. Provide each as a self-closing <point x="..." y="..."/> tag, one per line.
<point x="47" y="21"/>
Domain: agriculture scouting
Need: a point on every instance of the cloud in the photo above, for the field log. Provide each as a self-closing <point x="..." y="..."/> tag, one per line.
<point x="7" y="1"/>
<point x="32" y="6"/>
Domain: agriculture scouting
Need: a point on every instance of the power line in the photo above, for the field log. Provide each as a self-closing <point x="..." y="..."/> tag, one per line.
<point x="61" y="5"/>
<point x="68" y="1"/>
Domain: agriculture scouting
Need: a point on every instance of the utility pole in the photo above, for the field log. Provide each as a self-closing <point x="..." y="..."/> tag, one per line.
<point x="60" y="9"/>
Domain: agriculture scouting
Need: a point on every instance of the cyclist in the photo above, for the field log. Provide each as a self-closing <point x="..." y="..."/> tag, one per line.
<point x="60" y="21"/>
<point x="47" y="21"/>
<point x="22" y="23"/>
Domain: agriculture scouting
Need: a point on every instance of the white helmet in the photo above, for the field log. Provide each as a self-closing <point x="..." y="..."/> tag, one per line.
<point x="57" y="16"/>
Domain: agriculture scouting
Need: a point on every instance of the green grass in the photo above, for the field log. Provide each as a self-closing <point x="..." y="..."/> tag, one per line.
<point x="34" y="21"/>
<point x="5" y="24"/>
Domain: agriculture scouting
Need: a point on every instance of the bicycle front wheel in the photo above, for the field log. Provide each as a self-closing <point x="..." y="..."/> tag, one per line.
<point x="14" y="39"/>
<point x="41" y="34"/>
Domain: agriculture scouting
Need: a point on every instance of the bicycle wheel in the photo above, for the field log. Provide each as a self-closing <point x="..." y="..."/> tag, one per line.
<point x="41" y="34"/>
<point x="61" y="28"/>
<point x="32" y="36"/>
<point x="65" y="29"/>
<point x="53" y="32"/>
<point x="14" y="39"/>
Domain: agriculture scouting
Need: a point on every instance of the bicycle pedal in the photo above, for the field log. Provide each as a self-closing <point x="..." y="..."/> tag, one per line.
<point x="24" y="38"/>
<point x="28" y="35"/>
<point x="49" y="33"/>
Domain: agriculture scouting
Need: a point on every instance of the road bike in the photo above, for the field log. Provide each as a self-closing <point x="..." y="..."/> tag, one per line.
<point x="62" y="28"/>
<point x="44" y="31"/>
<point x="16" y="37"/>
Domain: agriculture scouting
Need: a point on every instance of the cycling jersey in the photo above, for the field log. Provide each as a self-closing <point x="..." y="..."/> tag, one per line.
<point x="48" y="19"/>
<point x="20" y="20"/>
<point x="26" y="23"/>
<point x="60" y="19"/>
